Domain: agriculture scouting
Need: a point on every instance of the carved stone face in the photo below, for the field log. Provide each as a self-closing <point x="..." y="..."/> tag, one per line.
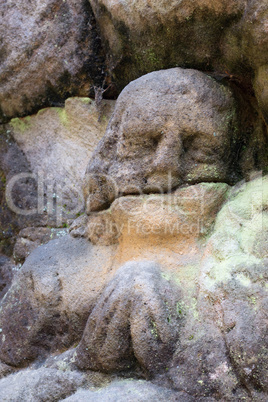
<point x="169" y="127"/>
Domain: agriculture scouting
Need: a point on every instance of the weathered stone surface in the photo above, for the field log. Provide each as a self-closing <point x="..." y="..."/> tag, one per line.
<point x="6" y="274"/>
<point x="131" y="391"/>
<point x="222" y="344"/>
<point x="169" y="127"/>
<point x="261" y="90"/>
<point x="201" y="364"/>
<point x="223" y="347"/>
<point x="39" y="385"/>
<point x="100" y="228"/>
<point x="134" y="320"/>
<point x="18" y="192"/>
<point x="219" y="346"/>
<point x="46" y="291"/>
<point x="143" y="37"/>
<point x="40" y="173"/>
<point x="30" y="238"/>
<point x="213" y="278"/>
<point x="234" y="278"/>
<point x="245" y="49"/>
<point x="5" y="370"/>
<point x="58" y="143"/>
<point x="246" y="42"/>
<point x="51" y="297"/>
<point x="49" y="51"/>
<point x="226" y="37"/>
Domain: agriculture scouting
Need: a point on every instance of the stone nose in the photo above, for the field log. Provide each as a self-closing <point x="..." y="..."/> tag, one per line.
<point x="168" y="154"/>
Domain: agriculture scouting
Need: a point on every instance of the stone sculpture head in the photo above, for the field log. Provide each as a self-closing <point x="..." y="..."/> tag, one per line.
<point x="169" y="127"/>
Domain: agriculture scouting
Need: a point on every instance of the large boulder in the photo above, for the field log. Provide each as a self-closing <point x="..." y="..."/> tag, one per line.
<point x="40" y="385"/>
<point x="234" y="278"/>
<point x="51" y="297"/>
<point x="224" y="344"/>
<point x="228" y="38"/>
<point x="142" y="37"/>
<point x="169" y="127"/>
<point x="131" y="391"/>
<point x="49" y="51"/>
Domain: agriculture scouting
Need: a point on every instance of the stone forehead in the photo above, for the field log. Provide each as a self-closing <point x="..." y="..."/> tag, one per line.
<point x="175" y="88"/>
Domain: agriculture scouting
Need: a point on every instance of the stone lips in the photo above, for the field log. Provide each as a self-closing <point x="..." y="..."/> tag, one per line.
<point x="186" y="214"/>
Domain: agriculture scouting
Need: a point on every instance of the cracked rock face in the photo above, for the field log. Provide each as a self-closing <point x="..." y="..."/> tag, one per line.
<point x="169" y="127"/>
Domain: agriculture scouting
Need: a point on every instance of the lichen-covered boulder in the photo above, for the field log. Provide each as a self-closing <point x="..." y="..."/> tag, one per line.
<point x="49" y="50"/>
<point x="234" y="278"/>
<point x="169" y="127"/>
<point x="223" y="344"/>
